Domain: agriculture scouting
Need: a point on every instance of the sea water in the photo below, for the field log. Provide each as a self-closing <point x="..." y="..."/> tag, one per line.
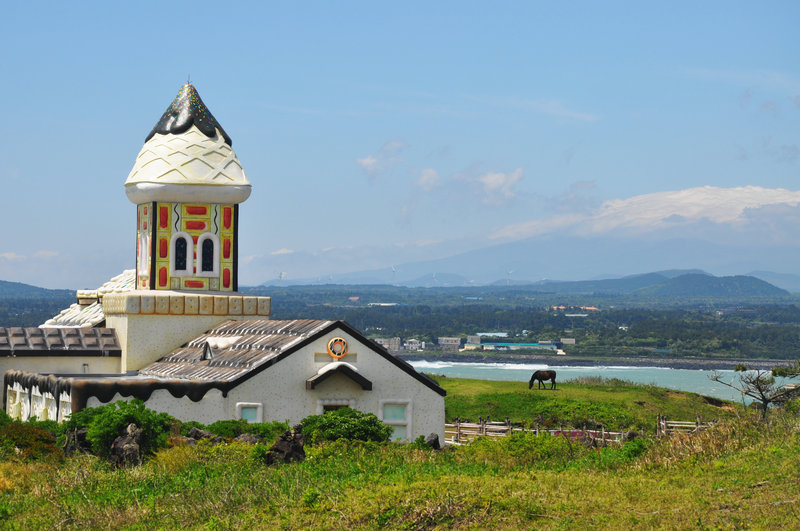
<point x="693" y="380"/>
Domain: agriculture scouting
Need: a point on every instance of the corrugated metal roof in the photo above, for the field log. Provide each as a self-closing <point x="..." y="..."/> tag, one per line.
<point x="82" y="315"/>
<point x="251" y="344"/>
<point x="15" y="341"/>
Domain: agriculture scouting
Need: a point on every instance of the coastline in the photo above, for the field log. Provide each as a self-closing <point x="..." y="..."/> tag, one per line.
<point x="577" y="361"/>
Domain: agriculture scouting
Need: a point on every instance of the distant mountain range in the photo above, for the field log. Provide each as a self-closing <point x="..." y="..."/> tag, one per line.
<point x="667" y="283"/>
<point x="18" y="290"/>
<point x="567" y="258"/>
<point x="690" y="283"/>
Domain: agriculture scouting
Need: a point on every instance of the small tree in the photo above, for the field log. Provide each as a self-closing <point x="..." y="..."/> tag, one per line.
<point x="760" y="385"/>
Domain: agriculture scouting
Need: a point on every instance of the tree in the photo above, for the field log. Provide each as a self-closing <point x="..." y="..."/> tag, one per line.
<point x="760" y="385"/>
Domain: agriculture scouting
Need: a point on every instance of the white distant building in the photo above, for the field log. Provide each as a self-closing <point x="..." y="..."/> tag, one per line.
<point x="389" y="343"/>
<point x="449" y="343"/>
<point x="414" y="344"/>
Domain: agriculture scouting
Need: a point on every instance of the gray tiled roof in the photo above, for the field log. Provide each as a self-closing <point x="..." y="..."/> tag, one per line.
<point x="236" y="348"/>
<point x="82" y="315"/>
<point x="33" y="341"/>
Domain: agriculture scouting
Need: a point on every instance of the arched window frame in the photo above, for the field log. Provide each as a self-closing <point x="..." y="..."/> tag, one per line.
<point x="188" y="272"/>
<point x="215" y="258"/>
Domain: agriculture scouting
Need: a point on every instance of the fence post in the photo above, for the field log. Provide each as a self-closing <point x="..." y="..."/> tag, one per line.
<point x="458" y="430"/>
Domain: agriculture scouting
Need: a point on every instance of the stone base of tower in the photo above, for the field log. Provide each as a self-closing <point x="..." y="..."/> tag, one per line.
<point x="149" y="324"/>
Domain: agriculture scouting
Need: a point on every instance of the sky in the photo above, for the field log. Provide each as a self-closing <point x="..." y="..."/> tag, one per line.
<point x="376" y="134"/>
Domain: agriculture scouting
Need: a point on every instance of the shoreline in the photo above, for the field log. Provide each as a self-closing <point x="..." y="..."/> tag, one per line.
<point x="577" y="361"/>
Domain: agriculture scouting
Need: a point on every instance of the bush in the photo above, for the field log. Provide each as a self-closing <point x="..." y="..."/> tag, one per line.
<point x="27" y="442"/>
<point x="345" y="423"/>
<point x="5" y="419"/>
<point x="106" y="423"/>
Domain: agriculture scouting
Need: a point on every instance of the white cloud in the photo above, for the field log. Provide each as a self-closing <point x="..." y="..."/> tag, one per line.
<point x="428" y="179"/>
<point x="499" y="186"/>
<point x="388" y="156"/>
<point x="11" y="256"/>
<point x="282" y="251"/>
<point x="643" y="213"/>
<point x="45" y="254"/>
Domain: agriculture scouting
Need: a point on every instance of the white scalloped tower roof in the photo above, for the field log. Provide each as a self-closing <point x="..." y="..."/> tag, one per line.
<point x="85" y="315"/>
<point x="187" y="158"/>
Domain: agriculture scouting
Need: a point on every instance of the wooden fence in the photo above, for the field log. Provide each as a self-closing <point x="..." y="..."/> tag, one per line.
<point x="665" y="427"/>
<point x="460" y="432"/>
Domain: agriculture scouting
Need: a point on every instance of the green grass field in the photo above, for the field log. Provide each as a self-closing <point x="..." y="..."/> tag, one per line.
<point x="617" y="405"/>
<point x="740" y="474"/>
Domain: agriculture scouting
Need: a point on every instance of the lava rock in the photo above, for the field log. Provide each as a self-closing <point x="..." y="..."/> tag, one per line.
<point x="125" y="450"/>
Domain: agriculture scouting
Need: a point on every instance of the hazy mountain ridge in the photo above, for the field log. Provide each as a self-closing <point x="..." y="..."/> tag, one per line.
<point x="18" y="290"/>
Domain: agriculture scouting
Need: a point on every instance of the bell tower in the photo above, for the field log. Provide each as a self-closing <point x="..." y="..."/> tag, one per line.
<point x="187" y="184"/>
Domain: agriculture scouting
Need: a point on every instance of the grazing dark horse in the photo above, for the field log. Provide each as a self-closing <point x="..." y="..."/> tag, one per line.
<point x="543" y="376"/>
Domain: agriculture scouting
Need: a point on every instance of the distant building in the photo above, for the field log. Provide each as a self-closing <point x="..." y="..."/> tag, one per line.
<point x="449" y="343"/>
<point x="389" y="343"/>
<point x="474" y="339"/>
<point x="414" y="344"/>
<point x="567" y="340"/>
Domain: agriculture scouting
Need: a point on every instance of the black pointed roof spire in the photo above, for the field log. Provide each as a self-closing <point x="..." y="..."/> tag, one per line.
<point x="188" y="109"/>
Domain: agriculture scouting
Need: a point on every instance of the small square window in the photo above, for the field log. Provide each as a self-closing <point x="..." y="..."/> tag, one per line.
<point x="250" y="411"/>
<point x="394" y="412"/>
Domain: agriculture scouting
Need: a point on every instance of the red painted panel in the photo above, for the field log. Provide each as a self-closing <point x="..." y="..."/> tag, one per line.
<point x="194" y="239"/>
<point x="227" y="216"/>
<point x="226" y="248"/>
<point x="162" y="247"/>
<point x="195" y="225"/>
<point x="194" y="284"/>
<point x="144" y="225"/>
<point x="196" y="210"/>
<point x="145" y="210"/>
<point x="162" y="277"/>
<point x="226" y="278"/>
<point x="163" y="216"/>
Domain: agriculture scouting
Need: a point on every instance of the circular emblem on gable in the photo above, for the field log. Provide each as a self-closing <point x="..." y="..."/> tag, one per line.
<point x="337" y="347"/>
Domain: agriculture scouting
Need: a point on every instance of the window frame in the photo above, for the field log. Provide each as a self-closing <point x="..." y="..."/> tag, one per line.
<point x="189" y="271"/>
<point x="259" y="410"/>
<point x="215" y="256"/>
<point x="407" y="422"/>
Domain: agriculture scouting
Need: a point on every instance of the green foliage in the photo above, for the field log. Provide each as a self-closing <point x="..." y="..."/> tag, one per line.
<point x="233" y="428"/>
<point x="5" y="419"/>
<point x="27" y="442"/>
<point x="106" y="423"/>
<point x="345" y="423"/>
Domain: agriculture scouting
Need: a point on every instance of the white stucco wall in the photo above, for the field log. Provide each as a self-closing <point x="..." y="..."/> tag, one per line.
<point x="281" y="391"/>
<point x="60" y="364"/>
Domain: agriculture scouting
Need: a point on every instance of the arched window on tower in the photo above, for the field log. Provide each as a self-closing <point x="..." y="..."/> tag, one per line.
<point x="180" y="259"/>
<point x="208" y="255"/>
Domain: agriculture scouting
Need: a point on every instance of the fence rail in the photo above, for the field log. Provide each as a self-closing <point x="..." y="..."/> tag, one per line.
<point x="665" y="427"/>
<point x="460" y="432"/>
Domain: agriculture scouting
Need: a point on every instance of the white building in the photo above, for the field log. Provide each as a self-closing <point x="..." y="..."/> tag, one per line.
<point x="176" y="333"/>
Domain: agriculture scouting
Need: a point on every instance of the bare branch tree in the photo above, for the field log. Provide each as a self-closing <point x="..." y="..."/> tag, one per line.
<point x="760" y="385"/>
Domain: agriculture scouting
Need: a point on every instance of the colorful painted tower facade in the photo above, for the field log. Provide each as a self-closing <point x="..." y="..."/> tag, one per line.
<point x="187" y="184"/>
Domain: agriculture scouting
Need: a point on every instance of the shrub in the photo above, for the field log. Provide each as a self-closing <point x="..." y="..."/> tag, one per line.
<point x="5" y="419"/>
<point x="106" y="423"/>
<point x="345" y="423"/>
<point x="231" y="429"/>
<point x="27" y="442"/>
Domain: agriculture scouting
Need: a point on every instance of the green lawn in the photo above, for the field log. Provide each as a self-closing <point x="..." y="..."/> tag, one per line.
<point x="741" y="473"/>
<point x="614" y="404"/>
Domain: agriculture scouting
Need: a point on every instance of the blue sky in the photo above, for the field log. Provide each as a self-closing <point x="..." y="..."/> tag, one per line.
<point x="376" y="134"/>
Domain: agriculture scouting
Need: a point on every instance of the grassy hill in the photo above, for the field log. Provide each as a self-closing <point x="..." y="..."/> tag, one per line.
<point x="739" y="474"/>
<point x="591" y="402"/>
